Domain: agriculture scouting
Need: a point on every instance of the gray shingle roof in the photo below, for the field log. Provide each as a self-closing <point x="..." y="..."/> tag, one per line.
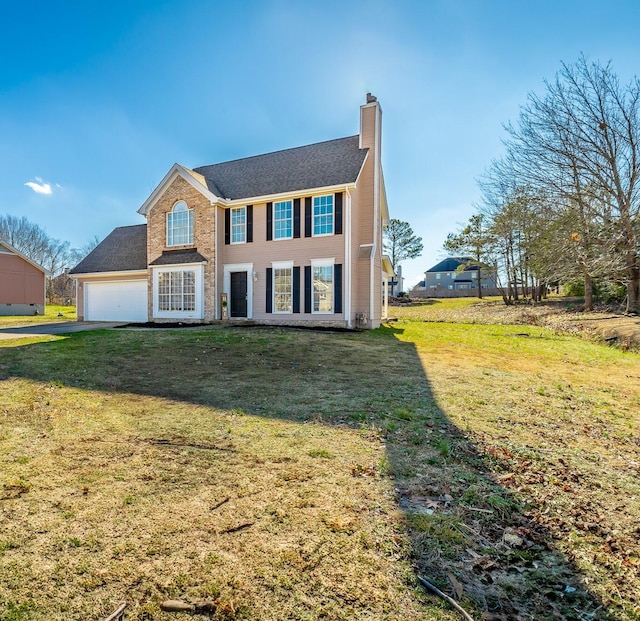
<point x="334" y="162"/>
<point x="124" y="249"/>
<point x="451" y="264"/>
<point x="178" y="257"/>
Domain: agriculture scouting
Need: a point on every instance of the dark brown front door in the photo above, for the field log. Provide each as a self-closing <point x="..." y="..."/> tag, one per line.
<point x="238" y="294"/>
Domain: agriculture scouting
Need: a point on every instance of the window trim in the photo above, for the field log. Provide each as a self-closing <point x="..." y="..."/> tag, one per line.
<point x="170" y="228"/>
<point x="231" y="225"/>
<point x="314" y="216"/>
<point x="323" y="263"/>
<point x="198" y="312"/>
<point x="276" y="220"/>
<point x="281" y="265"/>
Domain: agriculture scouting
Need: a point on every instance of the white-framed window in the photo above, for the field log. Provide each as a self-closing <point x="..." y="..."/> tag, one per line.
<point x="474" y="275"/>
<point x="282" y="287"/>
<point x="283" y="220"/>
<point x="238" y="225"/>
<point x="438" y="276"/>
<point x="178" y="291"/>
<point x="322" y="285"/>
<point x="323" y="215"/>
<point x="180" y="225"/>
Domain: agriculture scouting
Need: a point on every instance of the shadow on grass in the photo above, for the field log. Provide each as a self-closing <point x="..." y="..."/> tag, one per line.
<point x="471" y="536"/>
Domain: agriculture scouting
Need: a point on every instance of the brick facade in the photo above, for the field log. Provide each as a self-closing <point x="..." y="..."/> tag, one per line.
<point x="204" y="233"/>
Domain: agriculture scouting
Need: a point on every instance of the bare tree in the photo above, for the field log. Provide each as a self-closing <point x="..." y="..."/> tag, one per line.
<point x="32" y="241"/>
<point x="579" y="144"/>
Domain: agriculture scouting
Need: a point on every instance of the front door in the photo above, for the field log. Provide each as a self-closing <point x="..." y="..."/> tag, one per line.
<point x="238" y="295"/>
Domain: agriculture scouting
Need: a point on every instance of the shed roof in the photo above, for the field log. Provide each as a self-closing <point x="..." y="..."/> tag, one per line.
<point x="179" y="257"/>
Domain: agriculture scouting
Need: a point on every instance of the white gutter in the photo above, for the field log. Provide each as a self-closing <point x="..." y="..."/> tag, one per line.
<point x="134" y="273"/>
<point x="249" y="200"/>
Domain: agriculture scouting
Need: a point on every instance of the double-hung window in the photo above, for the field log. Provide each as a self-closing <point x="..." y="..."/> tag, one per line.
<point x="283" y="287"/>
<point x="239" y="225"/>
<point x="322" y="280"/>
<point x="323" y="215"/>
<point x="283" y="220"/>
<point x="180" y="225"/>
<point x="177" y="290"/>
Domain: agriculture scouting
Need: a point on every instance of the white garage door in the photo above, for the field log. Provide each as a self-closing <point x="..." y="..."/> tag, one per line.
<point x="116" y="301"/>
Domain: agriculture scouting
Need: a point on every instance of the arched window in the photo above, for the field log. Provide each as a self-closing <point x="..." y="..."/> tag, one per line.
<point x="180" y="225"/>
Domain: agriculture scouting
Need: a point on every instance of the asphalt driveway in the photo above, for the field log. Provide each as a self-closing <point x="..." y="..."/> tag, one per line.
<point x="63" y="327"/>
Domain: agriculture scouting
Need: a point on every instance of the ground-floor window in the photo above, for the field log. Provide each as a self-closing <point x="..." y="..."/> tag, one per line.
<point x="322" y="278"/>
<point x="177" y="291"/>
<point x="283" y="289"/>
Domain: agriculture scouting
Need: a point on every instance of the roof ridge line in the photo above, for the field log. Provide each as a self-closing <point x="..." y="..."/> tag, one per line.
<point x="250" y="157"/>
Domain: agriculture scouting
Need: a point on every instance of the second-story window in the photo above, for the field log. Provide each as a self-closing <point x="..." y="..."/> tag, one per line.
<point x="239" y="225"/>
<point x="322" y="215"/>
<point x="180" y="225"/>
<point x="283" y="220"/>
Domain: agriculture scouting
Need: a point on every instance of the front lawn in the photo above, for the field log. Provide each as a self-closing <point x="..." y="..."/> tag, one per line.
<point x="51" y="314"/>
<point x="289" y="474"/>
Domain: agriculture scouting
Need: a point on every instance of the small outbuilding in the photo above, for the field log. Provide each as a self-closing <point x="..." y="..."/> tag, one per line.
<point x="22" y="283"/>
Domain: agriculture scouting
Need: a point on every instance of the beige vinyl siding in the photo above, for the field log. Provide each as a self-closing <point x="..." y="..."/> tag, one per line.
<point x="363" y="234"/>
<point x="262" y="253"/>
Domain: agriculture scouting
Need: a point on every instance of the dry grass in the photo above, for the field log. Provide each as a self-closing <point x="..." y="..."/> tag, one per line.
<point x="499" y="461"/>
<point x="117" y="449"/>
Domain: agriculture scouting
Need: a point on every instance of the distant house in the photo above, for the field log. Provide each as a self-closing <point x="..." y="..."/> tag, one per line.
<point x="445" y="277"/>
<point x="22" y="283"/>
<point x="290" y="237"/>
<point x="396" y="283"/>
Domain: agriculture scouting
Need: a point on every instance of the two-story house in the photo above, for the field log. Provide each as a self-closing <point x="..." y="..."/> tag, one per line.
<point x="447" y="276"/>
<point x="290" y="237"/>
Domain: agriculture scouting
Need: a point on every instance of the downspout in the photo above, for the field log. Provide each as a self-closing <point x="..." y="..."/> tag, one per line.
<point x="347" y="259"/>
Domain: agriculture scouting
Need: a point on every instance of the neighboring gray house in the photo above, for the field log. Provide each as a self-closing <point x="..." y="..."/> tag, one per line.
<point x="444" y="277"/>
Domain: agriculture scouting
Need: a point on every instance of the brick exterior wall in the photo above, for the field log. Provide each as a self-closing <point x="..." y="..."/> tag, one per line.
<point x="204" y="228"/>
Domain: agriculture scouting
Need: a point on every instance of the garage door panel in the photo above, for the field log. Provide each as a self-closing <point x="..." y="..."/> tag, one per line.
<point x="116" y="301"/>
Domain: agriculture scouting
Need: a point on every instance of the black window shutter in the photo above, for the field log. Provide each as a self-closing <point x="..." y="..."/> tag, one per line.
<point x="269" y="290"/>
<point x="249" y="223"/>
<point x="227" y="226"/>
<point x="296" y="289"/>
<point x="296" y="217"/>
<point x="337" y="288"/>
<point x="307" y="288"/>
<point x="337" y="217"/>
<point x="307" y="216"/>
<point x="269" y="221"/>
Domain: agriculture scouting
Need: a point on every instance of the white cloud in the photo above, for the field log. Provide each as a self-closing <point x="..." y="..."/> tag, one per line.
<point x="39" y="186"/>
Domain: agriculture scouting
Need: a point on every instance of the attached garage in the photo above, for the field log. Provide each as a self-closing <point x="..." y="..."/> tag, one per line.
<point x="112" y="278"/>
<point x="116" y="301"/>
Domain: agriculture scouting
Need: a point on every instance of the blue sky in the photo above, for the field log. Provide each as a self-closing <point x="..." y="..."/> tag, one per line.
<point x="98" y="100"/>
